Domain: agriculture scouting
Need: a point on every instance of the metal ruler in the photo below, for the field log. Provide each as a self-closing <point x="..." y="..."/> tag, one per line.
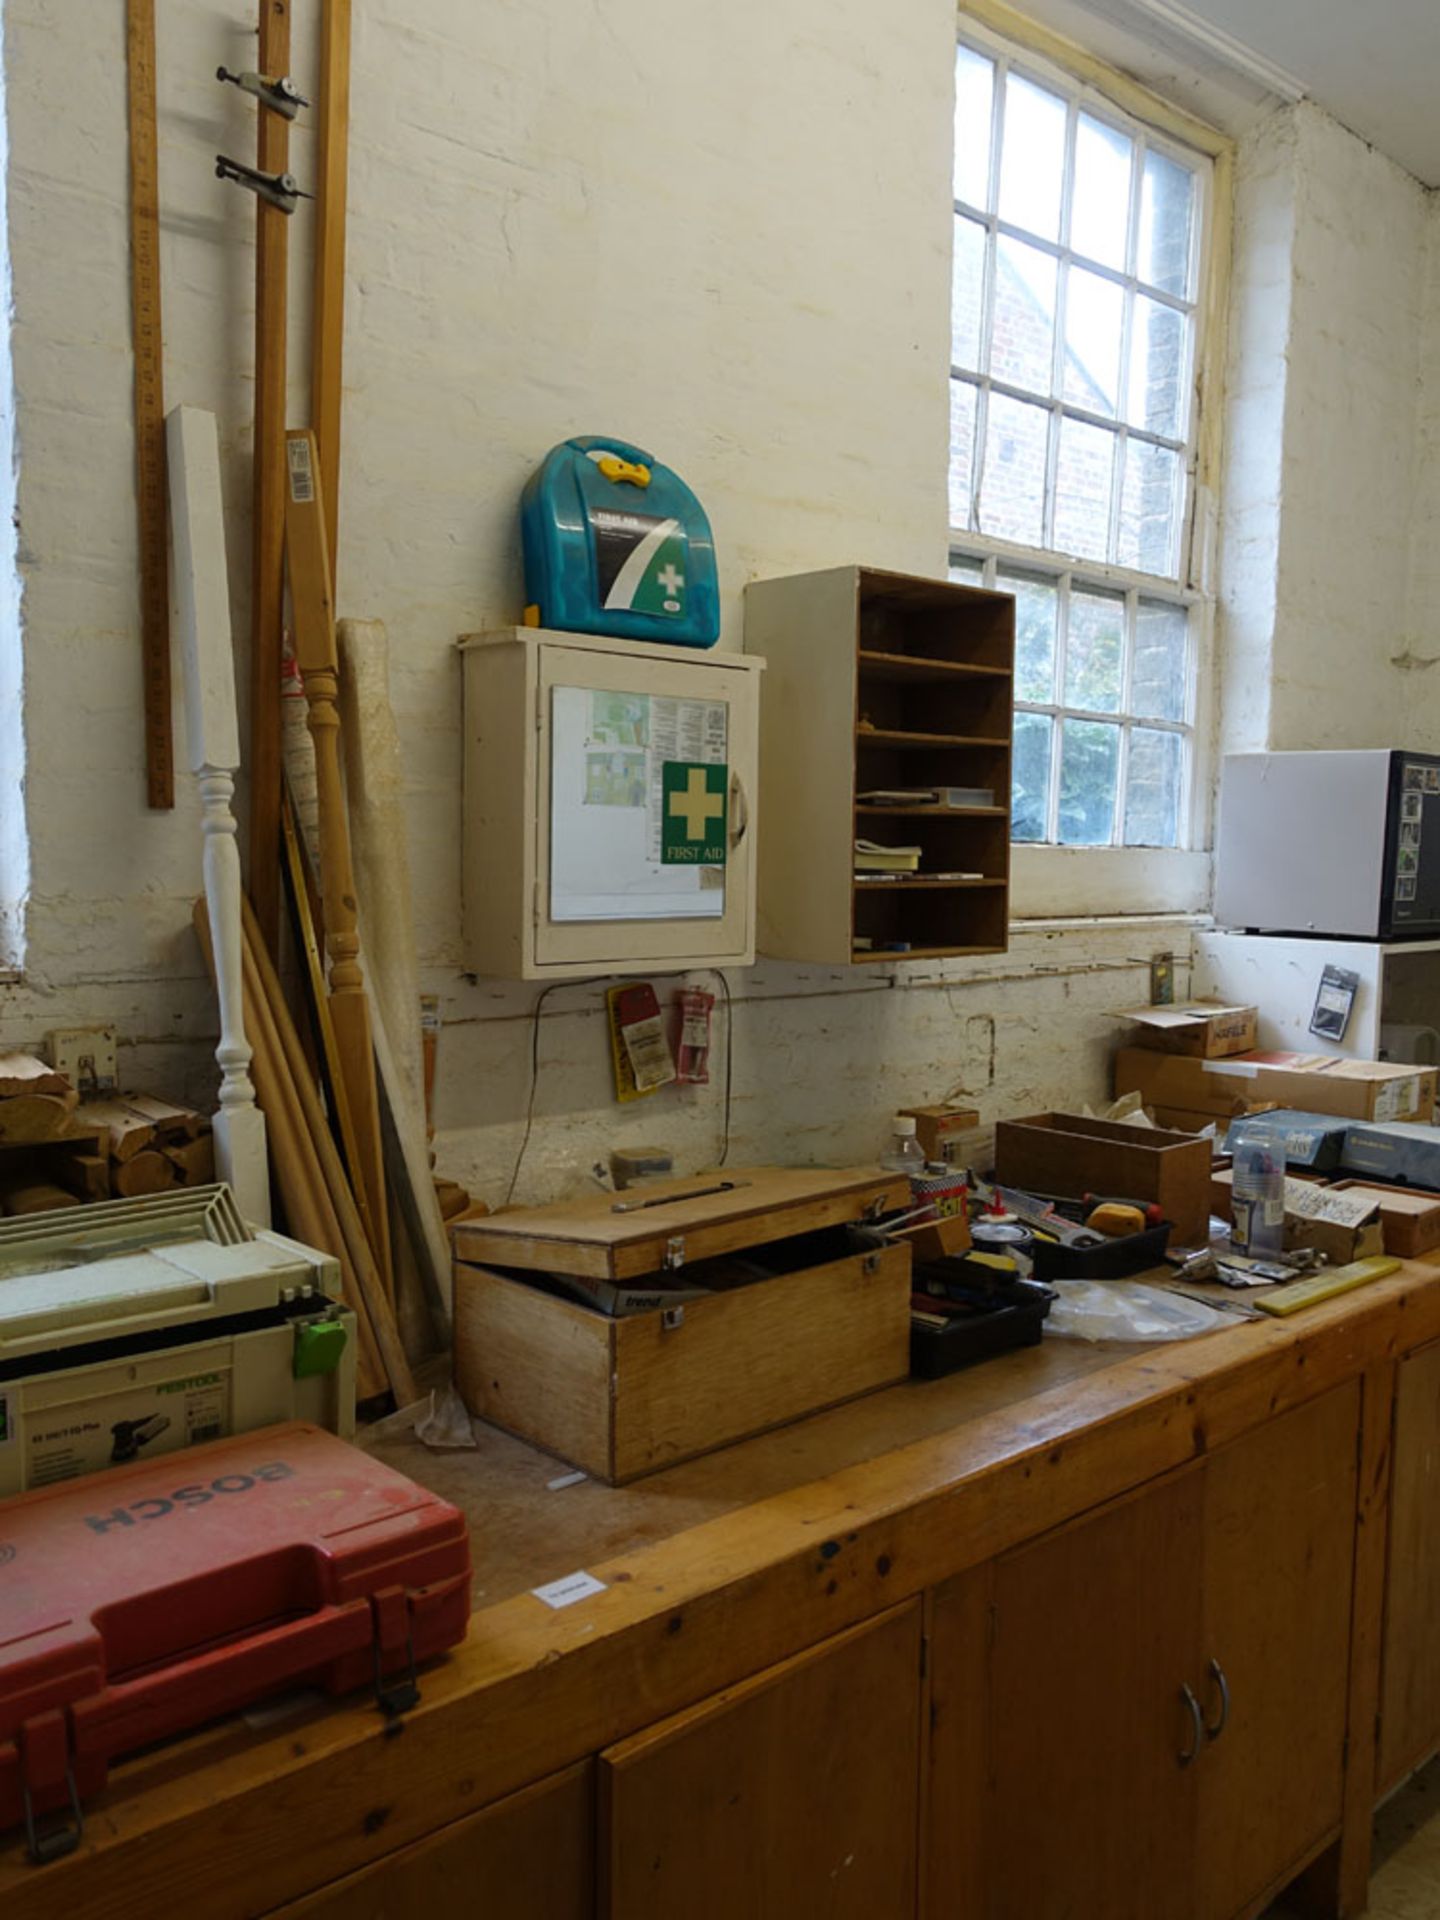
<point x="149" y="401"/>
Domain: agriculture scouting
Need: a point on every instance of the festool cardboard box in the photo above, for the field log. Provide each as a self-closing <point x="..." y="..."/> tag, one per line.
<point x="1382" y="1090"/>
<point x="1201" y="1029"/>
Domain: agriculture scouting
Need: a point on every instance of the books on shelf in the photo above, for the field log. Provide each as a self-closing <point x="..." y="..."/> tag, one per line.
<point x="872" y="857"/>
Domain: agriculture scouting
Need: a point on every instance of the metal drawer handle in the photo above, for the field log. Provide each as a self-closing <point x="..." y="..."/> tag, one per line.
<point x="1217" y="1674"/>
<point x="1187" y="1756"/>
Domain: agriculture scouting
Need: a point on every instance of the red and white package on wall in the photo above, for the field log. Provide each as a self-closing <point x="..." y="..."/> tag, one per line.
<point x="692" y="1054"/>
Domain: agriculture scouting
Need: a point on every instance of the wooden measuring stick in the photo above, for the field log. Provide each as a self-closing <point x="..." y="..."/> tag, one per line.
<point x="328" y="322"/>
<point x="149" y="400"/>
<point x="308" y="1213"/>
<point x="337" y="1186"/>
<point x="272" y="234"/>
<point x="314" y="624"/>
<point x="202" y="599"/>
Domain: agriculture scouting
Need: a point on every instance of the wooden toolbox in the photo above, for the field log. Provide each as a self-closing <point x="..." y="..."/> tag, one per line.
<point x="799" y="1317"/>
<point x="1063" y="1153"/>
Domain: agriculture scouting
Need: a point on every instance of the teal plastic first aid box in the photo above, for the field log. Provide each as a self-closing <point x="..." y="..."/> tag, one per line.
<point x="617" y="544"/>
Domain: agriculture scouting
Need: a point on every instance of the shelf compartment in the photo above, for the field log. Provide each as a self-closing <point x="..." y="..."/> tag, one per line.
<point x="919" y="881"/>
<point x="911" y="667"/>
<point x="935" y="620"/>
<point x="954" y="711"/>
<point x="915" y="742"/>
<point x="934" y="918"/>
<point x="872" y="810"/>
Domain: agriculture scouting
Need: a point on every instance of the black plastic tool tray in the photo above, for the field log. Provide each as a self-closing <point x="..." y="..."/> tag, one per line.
<point x="1012" y="1317"/>
<point x="1111" y="1260"/>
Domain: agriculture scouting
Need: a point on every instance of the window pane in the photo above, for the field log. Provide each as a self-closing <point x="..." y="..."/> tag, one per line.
<point x="1100" y="208"/>
<point x="1150" y="510"/>
<point x="1089" y="756"/>
<point x="1033" y="161"/>
<point x="1158" y="679"/>
<point x="1152" y="789"/>
<point x="1035" y="604"/>
<point x="1095" y="651"/>
<point x="962" y="451"/>
<point x="1167" y="213"/>
<point x="974" y="91"/>
<point x="1030" y="781"/>
<point x="1012" y="484"/>
<point x="968" y="571"/>
<point x="1082" y="490"/>
<point x="1094" y="314"/>
<point x="1022" y="334"/>
<point x="1156" y="398"/>
<point x="967" y="293"/>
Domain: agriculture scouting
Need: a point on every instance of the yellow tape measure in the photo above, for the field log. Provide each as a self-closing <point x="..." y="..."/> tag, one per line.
<point x="149" y="401"/>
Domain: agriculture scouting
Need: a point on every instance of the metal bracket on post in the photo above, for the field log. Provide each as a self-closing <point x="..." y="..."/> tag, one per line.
<point x="281" y="190"/>
<point x="278" y="92"/>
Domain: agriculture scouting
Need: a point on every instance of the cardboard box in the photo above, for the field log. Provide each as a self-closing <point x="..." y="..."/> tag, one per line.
<point x="1409" y="1220"/>
<point x="1342" y="1225"/>
<point x="1201" y="1029"/>
<point x="1380" y="1090"/>
<point x="939" y="1128"/>
<point x="1067" y="1154"/>
<point x="1406" y="1156"/>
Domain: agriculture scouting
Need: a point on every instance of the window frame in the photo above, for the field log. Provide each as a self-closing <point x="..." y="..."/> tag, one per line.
<point x="1081" y="97"/>
<point x="1177" y="878"/>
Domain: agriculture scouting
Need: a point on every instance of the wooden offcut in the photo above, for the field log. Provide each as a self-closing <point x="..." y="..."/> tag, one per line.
<point x="315" y="650"/>
<point x="149" y="400"/>
<point x="272" y="239"/>
<point x="322" y="1158"/>
<point x="27" y="1118"/>
<point x="328" y="316"/>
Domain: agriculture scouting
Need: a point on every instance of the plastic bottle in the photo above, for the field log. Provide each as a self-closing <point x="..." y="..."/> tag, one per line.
<point x="904" y="1154"/>
<point x="1258" y="1193"/>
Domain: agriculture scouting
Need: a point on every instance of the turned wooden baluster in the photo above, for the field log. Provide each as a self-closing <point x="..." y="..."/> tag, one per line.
<point x="313" y="618"/>
<point x="201" y="597"/>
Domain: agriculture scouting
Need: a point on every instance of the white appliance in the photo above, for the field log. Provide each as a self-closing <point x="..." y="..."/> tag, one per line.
<point x="141" y="1327"/>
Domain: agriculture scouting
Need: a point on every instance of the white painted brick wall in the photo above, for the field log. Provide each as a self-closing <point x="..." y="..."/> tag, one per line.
<point x="1333" y="464"/>
<point x="724" y="233"/>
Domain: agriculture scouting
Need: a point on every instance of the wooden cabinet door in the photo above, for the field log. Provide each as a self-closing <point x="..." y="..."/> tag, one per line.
<point x="795" y="1793"/>
<point x="1410" y="1675"/>
<point x="1056" y="1784"/>
<point x="1279" y="1556"/>
<point x="528" y="1857"/>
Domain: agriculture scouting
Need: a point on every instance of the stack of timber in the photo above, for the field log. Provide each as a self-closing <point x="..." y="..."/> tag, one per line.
<point x="152" y="1145"/>
<point x="49" y="1155"/>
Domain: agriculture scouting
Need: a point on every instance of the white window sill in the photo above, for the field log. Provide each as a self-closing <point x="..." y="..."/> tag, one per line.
<point x="1089" y="883"/>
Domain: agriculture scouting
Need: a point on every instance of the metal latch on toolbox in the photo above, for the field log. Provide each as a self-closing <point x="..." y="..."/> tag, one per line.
<point x="46" y="1763"/>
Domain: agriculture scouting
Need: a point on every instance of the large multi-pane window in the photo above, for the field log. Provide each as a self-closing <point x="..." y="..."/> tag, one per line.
<point x="1075" y="314"/>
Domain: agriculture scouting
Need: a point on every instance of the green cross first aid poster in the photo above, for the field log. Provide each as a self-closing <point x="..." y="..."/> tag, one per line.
<point x="692" y="825"/>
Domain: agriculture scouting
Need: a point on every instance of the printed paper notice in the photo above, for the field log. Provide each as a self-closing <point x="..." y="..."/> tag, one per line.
<point x="608" y="753"/>
<point x="564" y="1593"/>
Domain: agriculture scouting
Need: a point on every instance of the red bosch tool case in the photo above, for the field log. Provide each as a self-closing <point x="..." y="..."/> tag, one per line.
<point x="144" y="1601"/>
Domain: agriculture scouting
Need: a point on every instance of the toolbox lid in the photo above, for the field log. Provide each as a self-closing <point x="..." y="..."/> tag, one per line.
<point x="617" y="1236"/>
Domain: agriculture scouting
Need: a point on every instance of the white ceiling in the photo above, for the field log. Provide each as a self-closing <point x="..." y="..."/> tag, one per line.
<point x="1374" y="64"/>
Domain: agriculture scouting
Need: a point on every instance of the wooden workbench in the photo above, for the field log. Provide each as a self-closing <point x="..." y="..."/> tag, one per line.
<point x="718" y="1571"/>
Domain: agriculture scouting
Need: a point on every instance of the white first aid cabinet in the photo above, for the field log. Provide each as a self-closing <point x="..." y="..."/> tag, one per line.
<point x="610" y="806"/>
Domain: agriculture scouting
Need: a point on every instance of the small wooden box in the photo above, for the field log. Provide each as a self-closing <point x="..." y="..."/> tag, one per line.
<point x="1409" y="1216"/>
<point x="626" y="1396"/>
<point x="1063" y="1153"/>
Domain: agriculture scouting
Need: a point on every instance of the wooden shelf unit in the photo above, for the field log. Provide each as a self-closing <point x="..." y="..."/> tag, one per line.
<point x="882" y="680"/>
